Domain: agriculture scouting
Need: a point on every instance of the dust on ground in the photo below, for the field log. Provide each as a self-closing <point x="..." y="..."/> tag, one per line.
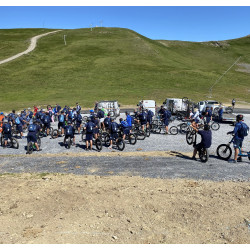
<point x="54" y="208"/>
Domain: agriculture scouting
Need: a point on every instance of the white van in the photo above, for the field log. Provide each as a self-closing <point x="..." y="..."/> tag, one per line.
<point x="176" y="104"/>
<point x="147" y="104"/>
<point x="111" y="107"/>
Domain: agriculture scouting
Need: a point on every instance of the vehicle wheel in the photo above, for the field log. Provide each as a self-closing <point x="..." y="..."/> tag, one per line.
<point x="55" y="133"/>
<point x="14" y="143"/>
<point x="215" y="126"/>
<point x="229" y="110"/>
<point x="190" y="137"/>
<point x="83" y="134"/>
<point x="224" y="152"/>
<point x="51" y="130"/>
<point x="68" y="143"/>
<point x="120" y="144"/>
<point x="173" y="130"/>
<point x="39" y="142"/>
<point x="141" y="135"/>
<point x="98" y="144"/>
<point x="103" y="135"/>
<point x="183" y="128"/>
<point x="30" y="147"/>
<point x="203" y="154"/>
<point x="107" y="140"/>
<point x="184" y="99"/>
<point x="2" y="140"/>
<point x="132" y="139"/>
<point x="216" y="111"/>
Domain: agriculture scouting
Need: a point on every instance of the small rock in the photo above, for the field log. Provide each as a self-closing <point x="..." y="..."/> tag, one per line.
<point x="28" y="216"/>
<point x="114" y="237"/>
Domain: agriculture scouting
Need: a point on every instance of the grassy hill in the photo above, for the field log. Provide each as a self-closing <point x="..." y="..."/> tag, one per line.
<point x="114" y="63"/>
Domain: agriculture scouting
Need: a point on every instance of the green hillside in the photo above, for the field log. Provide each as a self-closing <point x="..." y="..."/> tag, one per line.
<point x="114" y="63"/>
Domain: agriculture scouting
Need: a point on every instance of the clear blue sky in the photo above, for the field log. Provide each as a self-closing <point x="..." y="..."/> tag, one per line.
<point x="165" y="22"/>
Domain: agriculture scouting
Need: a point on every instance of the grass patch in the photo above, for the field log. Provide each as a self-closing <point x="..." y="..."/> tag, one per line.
<point x="113" y="63"/>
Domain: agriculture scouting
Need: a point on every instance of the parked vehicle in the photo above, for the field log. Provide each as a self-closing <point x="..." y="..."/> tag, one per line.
<point x="176" y="105"/>
<point x="111" y="107"/>
<point x="202" y="105"/>
<point x="147" y="104"/>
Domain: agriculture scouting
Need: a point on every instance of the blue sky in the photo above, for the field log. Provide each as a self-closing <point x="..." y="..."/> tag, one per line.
<point x="188" y="23"/>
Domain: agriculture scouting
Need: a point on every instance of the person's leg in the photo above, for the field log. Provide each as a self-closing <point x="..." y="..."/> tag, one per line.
<point x="87" y="144"/>
<point x="91" y="144"/>
<point x="236" y="152"/>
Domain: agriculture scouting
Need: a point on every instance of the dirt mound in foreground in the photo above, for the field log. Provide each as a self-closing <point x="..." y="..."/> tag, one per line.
<point x="121" y="209"/>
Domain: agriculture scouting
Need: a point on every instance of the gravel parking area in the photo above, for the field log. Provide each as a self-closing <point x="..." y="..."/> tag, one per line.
<point x="156" y="142"/>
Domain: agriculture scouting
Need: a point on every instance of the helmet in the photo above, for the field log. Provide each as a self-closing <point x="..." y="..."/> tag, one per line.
<point x="5" y="120"/>
<point x="69" y="122"/>
<point x="91" y="111"/>
<point x="239" y="117"/>
<point x="121" y="119"/>
<point x="206" y="127"/>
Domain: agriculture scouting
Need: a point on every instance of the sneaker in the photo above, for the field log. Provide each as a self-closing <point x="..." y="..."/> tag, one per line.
<point x="40" y="149"/>
<point x="232" y="161"/>
<point x="87" y="149"/>
<point x="193" y="158"/>
<point x="110" y="147"/>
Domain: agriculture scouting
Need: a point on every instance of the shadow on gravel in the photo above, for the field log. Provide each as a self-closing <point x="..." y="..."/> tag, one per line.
<point x="180" y="155"/>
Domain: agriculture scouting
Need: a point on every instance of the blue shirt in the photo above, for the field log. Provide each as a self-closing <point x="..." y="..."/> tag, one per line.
<point x="129" y="120"/>
<point x="206" y="138"/>
<point x="237" y="134"/>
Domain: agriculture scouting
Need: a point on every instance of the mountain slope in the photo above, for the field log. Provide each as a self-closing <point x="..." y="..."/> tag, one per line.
<point x="113" y="63"/>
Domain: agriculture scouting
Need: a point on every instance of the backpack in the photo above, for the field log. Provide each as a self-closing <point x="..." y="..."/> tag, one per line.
<point x="17" y="121"/>
<point x="69" y="130"/>
<point x="114" y="127"/>
<point x="124" y="124"/>
<point x="244" y="129"/>
<point x="61" y="118"/>
<point x="89" y="127"/>
<point x="70" y="115"/>
<point x="46" y="119"/>
<point x="168" y="114"/>
<point x="79" y="118"/>
<point x="144" y="116"/>
<point x="132" y="120"/>
<point x="7" y="128"/>
<point x="106" y="121"/>
<point x="32" y="128"/>
<point x="101" y="114"/>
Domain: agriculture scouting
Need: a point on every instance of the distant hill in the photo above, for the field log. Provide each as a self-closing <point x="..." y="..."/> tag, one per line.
<point x="115" y="63"/>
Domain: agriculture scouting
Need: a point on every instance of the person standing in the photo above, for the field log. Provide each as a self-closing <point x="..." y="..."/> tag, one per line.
<point x="233" y="103"/>
<point x="239" y="134"/>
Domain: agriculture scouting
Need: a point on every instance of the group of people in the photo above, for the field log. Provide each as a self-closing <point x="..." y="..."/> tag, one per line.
<point x="41" y="119"/>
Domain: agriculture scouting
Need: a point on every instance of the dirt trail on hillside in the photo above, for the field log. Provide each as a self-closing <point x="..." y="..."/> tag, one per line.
<point x="31" y="47"/>
<point x="121" y="209"/>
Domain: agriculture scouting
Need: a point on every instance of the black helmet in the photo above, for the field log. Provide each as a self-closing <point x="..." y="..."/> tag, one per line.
<point x="239" y="117"/>
<point x="121" y="119"/>
<point x="206" y="127"/>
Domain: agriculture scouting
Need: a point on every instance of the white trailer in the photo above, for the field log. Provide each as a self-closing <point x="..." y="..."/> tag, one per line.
<point x="147" y="104"/>
<point x="176" y="104"/>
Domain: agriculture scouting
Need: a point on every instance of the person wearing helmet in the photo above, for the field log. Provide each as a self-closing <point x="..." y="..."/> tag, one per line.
<point x="78" y="120"/>
<point x="129" y="120"/>
<point x="107" y="122"/>
<point x="166" y="116"/>
<point x="19" y="124"/>
<point x="124" y="128"/>
<point x="206" y="139"/>
<point x="6" y="131"/>
<point x="89" y="127"/>
<point x="46" y="121"/>
<point x="69" y="132"/>
<point x="33" y="131"/>
<point x="113" y="132"/>
<point x="238" y="137"/>
<point x="1" y="119"/>
<point x="143" y="119"/>
<point x="100" y="115"/>
<point x="149" y="117"/>
<point x="61" y="121"/>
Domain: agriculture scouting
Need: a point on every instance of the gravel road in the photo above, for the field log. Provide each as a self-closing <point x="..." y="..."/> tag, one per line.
<point x="32" y="46"/>
<point x="146" y="158"/>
